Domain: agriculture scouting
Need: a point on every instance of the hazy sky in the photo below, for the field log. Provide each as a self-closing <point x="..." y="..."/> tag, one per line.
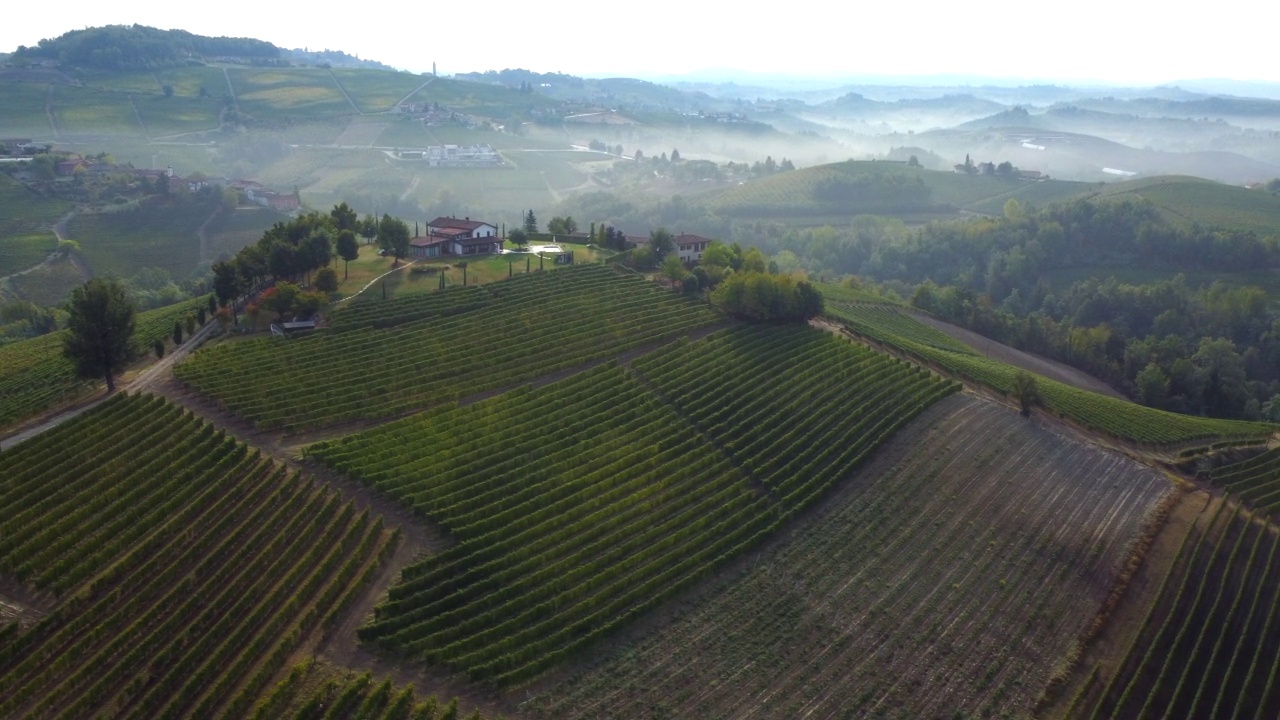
<point x="1116" y="41"/>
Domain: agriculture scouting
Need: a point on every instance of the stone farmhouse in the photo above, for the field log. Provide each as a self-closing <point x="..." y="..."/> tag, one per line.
<point x="451" y="236"/>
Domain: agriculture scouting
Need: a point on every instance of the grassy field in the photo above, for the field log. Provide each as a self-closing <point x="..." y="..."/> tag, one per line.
<point x="163" y="236"/>
<point x="1187" y="200"/>
<point x="25" y="222"/>
<point x="797" y="193"/>
<point x="946" y="579"/>
<point x="288" y="92"/>
<point x="49" y="284"/>
<point x="375" y="91"/>
<point x="139" y="81"/>
<point x="23" y="113"/>
<point x="234" y="229"/>
<point x="187" y="81"/>
<point x="174" y="115"/>
<point x="86" y="111"/>
<point x="20" y="252"/>
<point x="492" y="101"/>
<point x="1108" y="415"/>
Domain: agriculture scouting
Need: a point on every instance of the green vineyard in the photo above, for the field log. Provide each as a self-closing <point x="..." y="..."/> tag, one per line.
<point x="1256" y="480"/>
<point x="1209" y="646"/>
<point x="613" y="489"/>
<point x="396" y="311"/>
<point x="187" y="568"/>
<point x="1114" y="417"/>
<point x="536" y="324"/>
<point x="34" y="376"/>
<point x="314" y="692"/>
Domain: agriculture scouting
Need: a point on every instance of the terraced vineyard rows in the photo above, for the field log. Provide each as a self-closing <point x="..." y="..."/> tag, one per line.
<point x="318" y="691"/>
<point x="542" y="323"/>
<point x="34" y="376"/>
<point x="188" y="568"/>
<point x="603" y="498"/>
<point x="1256" y="480"/>
<point x="1210" y="644"/>
<point x="397" y="311"/>
<point x="160" y="235"/>
<point x="945" y="579"/>
<point x="1117" y="418"/>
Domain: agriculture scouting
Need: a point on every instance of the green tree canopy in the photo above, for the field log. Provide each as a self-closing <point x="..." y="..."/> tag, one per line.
<point x="344" y="218"/>
<point x="661" y="242"/>
<point x="348" y="249"/>
<point x="100" y="330"/>
<point x="393" y="236"/>
<point x="761" y="297"/>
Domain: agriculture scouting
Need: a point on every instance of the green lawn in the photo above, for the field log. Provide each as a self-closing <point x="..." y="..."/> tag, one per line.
<point x="480" y="271"/>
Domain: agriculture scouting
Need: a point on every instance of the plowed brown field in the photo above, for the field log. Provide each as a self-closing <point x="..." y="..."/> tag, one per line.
<point x="948" y="578"/>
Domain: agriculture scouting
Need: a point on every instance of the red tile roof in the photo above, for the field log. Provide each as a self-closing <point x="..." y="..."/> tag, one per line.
<point x="447" y="222"/>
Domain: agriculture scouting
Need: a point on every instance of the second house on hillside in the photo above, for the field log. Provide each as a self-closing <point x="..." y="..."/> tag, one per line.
<point x="453" y="236"/>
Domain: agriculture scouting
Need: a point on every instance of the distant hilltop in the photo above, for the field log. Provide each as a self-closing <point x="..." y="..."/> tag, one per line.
<point x="138" y="47"/>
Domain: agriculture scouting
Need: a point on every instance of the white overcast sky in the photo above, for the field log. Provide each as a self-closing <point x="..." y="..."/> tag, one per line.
<point x="1112" y="41"/>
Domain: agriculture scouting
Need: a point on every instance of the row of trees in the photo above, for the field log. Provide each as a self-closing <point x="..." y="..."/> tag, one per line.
<point x="293" y="250"/>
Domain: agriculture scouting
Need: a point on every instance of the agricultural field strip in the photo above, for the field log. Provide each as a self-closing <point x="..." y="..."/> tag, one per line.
<point x="1179" y="623"/>
<point x="757" y="616"/>
<point x="34" y="375"/>
<point x="619" y="483"/>
<point x="314" y="689"/>
<point x="406" y="309"/>
<point x="1117" y="418"/>
<point x="1256" y="480"/>
<point x="164" y="236"/>
<point x="518" y="337"/>
<point x="239" y="620"/>
<point x="497" y="520"/>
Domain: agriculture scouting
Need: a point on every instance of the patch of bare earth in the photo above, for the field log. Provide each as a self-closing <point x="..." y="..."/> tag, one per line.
<point x="1051" y="369"/>
<point x="1102" y="657"/>
<point x="952" y="574"/>
<point x="20" y="604"/>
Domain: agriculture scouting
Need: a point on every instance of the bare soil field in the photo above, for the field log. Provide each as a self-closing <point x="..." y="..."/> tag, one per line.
<point x="951" y="577"/>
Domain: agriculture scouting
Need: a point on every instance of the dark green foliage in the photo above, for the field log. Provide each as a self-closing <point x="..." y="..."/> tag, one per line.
<point x="137" y="47"/>
<point x="99" y="341"/>
<point x="694" y="454"/>
<point x="1026" y="392"/>
<point x="763" y="297"/>
<point x="177" y="332"/>
<point x="393" y="237"/>
<point x="158" y="348"/>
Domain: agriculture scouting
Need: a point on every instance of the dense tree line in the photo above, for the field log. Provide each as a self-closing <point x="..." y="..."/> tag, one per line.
<point x="290" y="251"/>
<point x="137" y="47"/>
<point x="762" y="297"/>
<point x="1211" y="350"/>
